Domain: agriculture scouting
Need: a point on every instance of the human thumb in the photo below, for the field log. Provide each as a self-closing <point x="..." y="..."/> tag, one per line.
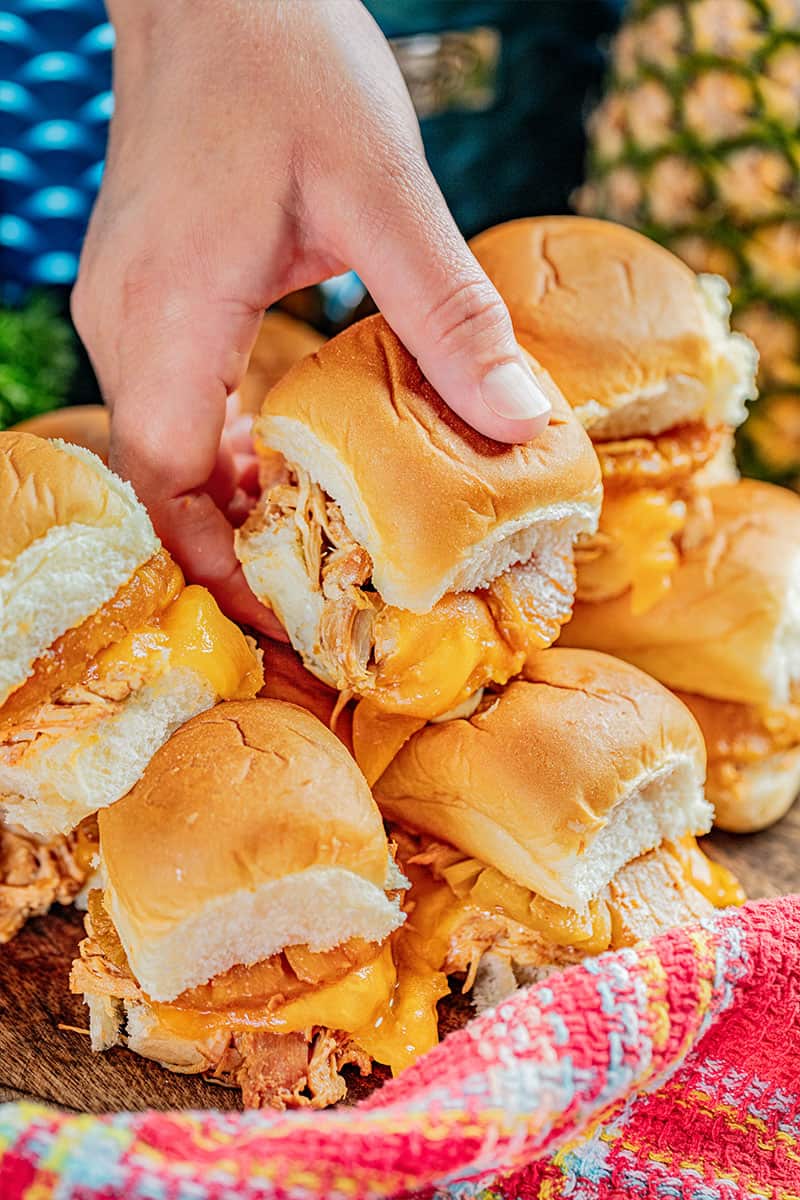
<point x="439" y="302"/>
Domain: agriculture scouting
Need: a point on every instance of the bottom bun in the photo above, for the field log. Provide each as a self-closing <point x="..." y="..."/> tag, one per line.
<point x="51" y="789"/>
<point x="751" y="797"/>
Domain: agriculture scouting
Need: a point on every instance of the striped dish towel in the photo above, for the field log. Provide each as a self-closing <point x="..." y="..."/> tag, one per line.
<point x="669" y="1072"/>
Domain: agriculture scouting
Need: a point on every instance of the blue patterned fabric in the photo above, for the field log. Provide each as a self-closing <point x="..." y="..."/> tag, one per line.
<point x="55" y="102"/>
<point x="522" y="155"/>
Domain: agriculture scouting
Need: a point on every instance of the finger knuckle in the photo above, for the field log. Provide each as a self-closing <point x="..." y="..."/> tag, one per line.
<point x="144" y="460"/>
<point x="471" y="314"/>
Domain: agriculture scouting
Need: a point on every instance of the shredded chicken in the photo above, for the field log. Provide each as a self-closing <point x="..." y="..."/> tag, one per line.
<point x="36" y="873"/>
<point x="532" y="600"/>
<point x="666" y="461"/>
<point x="647" y="896"/>
<point x="150" y="590"/>
<point x="481" y="933"/>
<point x="528" y="603"/>
<point x="72" y="710"/>
<point x="69" y="709"/>
<point x="289" y="1070"/>
<point x="272" y="1070"/>
<point x="655" y="511"/>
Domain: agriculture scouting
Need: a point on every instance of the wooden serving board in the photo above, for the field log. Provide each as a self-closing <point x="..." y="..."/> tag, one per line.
<point x="40" y="1059"/>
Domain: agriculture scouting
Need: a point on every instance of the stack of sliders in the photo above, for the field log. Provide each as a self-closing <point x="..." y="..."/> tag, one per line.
<point x="566" y="801"/>
<point x="555" y="822"/>
<point x="641" y="348"/>
<point x="726" y="637"/>
<point x="411" y="560"/>
<point x="250" y="925"/>
<point x="693" y="576"/>
<point x="105" y="654"/>
<point x="249" y="921"/>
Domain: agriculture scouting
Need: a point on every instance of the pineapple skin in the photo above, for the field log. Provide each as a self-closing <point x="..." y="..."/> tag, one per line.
<point x="697" y="144"/>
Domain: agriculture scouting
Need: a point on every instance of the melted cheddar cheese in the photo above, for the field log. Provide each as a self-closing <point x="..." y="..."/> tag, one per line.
<point x="719" y="885"/>
<point x="468" y="888"/>
<point x="429" y="663"/>
<point x="407" y="1025"/>
<point x="636" y="549"/>
<point x="193" y="633"/>
<point x="378" y="737"/>
<point x="150" y="590"/>
<point x="349" y="1004"/>
<point x="388" y="1005"/>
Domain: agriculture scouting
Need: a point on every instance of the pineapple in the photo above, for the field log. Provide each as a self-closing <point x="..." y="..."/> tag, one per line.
<point x="697" y="143"/>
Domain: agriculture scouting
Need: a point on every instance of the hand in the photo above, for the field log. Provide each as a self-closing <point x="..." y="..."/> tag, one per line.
<point x="259" y="147"/>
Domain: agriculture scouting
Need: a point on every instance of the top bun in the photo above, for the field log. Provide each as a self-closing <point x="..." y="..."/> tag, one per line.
<point x="71" y="535"/>
<point x="438" y="506"/>
<point x="635" y="340"/>
<point x="729" y="626"/>
<point x="252" y="829"/>
<point x="560" y="779"/>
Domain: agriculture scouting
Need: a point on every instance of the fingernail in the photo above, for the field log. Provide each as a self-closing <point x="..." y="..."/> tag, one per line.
<point x="511" y="392"/>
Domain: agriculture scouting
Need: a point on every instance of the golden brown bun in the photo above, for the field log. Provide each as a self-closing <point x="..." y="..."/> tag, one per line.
<point x="729" y="627"/>
<point x="435" y="504"/>
<point x="84" y="425"/>
<point x="248" y="792"/>
<point x="564" y="777"/>
<point x="285" y="678"/>
<point x="753" y="760"/>
<point x="44" y="485"/>
<point x="619" y="322"/>
<point x="752" y="796"/>
<point x="251" y="829"/>
<point x="282" y="341"/>
<point x="71" y="534"/>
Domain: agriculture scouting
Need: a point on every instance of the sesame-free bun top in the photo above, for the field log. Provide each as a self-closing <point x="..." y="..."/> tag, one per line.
<point x="71" y="534"/>
<point x="438" y="506"/>
<point x="729" y="626"/>
<point x="251" y="830"/>
<point x="634" y="339"/>
<point x="560" y="779"/>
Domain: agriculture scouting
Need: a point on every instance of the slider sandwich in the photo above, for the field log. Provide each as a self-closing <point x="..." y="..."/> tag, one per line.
<point x="641" y="348"/>
<point x="726" y="638"/>
<point x="410" y="559"/>
<point x="105" y="653"/>
<point x="555" y="822"/>
<point x="250" y="927"/>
